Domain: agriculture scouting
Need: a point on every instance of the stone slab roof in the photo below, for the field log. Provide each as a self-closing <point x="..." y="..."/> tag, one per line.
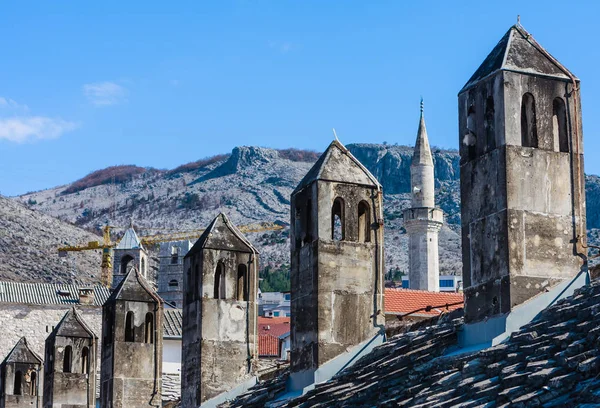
<point x="173" y="323"/>
<point x="554" y="361"/>
<point x="404" y="301"/>
<point x="48" y="293"/>
<point x="518" y="51"/>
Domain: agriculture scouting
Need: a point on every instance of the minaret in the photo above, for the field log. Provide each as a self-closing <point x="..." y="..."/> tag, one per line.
<point x="423" y="220"/>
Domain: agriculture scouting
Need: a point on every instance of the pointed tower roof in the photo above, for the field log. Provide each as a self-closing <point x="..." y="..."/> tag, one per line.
<point x="517" y="51"/>
<point x="422" y="152"/>
<point x="21" y="353"/>
<point x="134" y="287"/>
<point x="73" y="325"/>
<point x="339" y="165"/>
<point x="222" y="234"/>
<point x="130" y="240"/>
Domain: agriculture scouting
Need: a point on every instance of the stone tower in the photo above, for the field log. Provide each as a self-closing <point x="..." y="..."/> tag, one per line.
<point x="70" y="364"/>
<point x="129" y="253"/>
<point x="423" y="220"/>
<point x="170" y="271"/>
<point x="336" y="262"/>
<point x="219" y="313"/>
<point x="521" y="177"/>
<point x="132" y="334"/>
<point x="20" y="373"/>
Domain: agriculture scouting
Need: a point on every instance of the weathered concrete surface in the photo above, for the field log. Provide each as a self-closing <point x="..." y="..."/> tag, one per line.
<point x="20" y="372"/>
<point x="131" y="370"/>
<point x="336" y="277"/>
<point x="523" y="208"/>
<point x="75" y="387"/>
<point x="219" y="334"/>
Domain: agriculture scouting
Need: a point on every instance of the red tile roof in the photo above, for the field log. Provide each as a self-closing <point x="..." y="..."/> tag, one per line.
<point x="402" y="301"/>
<point x="275" y="326"/>
<point x="268" y="345"/>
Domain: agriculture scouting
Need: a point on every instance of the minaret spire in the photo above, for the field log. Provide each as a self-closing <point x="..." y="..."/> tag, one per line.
<point x="423" y="221"/>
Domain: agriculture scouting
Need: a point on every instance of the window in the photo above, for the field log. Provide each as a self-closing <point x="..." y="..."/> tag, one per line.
<point x="470" y="139"/>
<point x="125" y="261"/>
<point x="129" y="327"/>
<point x="275" y="314"/>
<point x="85" y="360"/>
<point x="405" y="284"/>
<point x="307" y="223"/>
<point x="446" y="283"/>
<point x="67" y="359"/>
<point x="337" y="220"/>
<point x="33" y="384"/>
<point x="149" y="328"/>
<point x="287" y="296"/>
<point x="17" y="385"/>
<point x="559" y="124"/>
<point x="488" y="121"/>
<point x="144" y="267"/>
<point x="173" y="283"/>
<point x="528" y="122"/>
<point x="174" y="255"/>
<point x="242" y="282"/>
<point x="364" y="225"/>
<point x="219" y="287"/>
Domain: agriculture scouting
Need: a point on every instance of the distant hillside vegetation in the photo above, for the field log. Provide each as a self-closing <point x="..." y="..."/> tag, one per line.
<point x="113" y="174"/>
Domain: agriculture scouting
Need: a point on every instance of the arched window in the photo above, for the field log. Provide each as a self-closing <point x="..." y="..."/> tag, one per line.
<point x="144" y="267"/>
<point x="129" y="327"/>
<point x="125" y="261"/>
<point x="364" y="222"/>
<point x="17" y="390"/>
<point x="173" y="283"/>
<point x="85" y="360"/>
<point x="67" y="359"/>
<point x="149" y="328"/>
<point x="528" y="122"/>
<point x="242" y="282"/>
<point x="337" y="220"/>
<point x="559" y="124"/>
<point x="470" y="139"/>
<point x="488" y="118"/>
<point x="33" y="384"/>
<point x="220" y="281"/>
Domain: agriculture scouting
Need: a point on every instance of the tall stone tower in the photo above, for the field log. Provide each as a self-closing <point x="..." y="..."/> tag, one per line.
<point x="521" y="177"/>
<point x="423" y="220"/>
<point x="170" y="271"/>
<point x="132" y="334"/>
<point x="129" y="253"/>
<point x="70" y="364"/>
<point x="219" y="313"/>
<point x="20" y="374"/>
<point x="336" y="262"/>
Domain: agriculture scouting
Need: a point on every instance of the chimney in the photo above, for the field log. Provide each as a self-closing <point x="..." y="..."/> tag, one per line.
<point x="86" y="296"/>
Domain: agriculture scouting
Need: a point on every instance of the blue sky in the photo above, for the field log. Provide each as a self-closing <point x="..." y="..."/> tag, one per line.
<point x="85" y="85"/>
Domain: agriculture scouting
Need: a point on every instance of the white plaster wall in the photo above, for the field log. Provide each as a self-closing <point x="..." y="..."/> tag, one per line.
<point x="172" y="356"/>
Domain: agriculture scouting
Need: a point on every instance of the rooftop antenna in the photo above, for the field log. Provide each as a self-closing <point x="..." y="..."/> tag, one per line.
<point x="335" y="135"/>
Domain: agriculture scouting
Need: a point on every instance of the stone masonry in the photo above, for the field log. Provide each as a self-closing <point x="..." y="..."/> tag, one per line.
<point x="423" y="220"/>
<point x="522" y="194"/>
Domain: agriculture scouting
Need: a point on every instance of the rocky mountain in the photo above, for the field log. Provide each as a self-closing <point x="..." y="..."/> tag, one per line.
<point x="254" y="184"/>
<point x="251" y="184"/>
<point x="28" y="243"/>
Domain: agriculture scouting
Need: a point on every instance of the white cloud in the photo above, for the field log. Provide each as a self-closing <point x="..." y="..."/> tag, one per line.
<point x="7" y="103"/>
<point x="29" y="128"/>
<point x="104" y="93"/>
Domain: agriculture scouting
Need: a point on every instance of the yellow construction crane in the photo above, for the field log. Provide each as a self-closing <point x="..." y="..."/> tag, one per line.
<point x="107" y="245"/>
